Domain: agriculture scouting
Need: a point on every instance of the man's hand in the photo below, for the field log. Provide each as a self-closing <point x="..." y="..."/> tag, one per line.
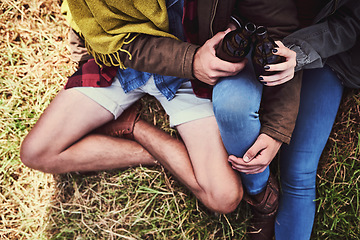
<point x="208" y="68"/>
<point x="258" y="157"/>
<point x="286" y="69"/>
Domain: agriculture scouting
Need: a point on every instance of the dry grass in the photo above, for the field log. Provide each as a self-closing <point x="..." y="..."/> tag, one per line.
<point x="138" y="203"/>
<point x="31" y="43"/>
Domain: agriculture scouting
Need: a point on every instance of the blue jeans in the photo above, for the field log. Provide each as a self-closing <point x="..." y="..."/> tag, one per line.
<point x="321" y="94"/>
<point x="236" y="101"/>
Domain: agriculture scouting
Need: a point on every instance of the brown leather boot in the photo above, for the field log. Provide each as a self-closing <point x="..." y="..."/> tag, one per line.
<point x="262" y="224"/>
<point x="122" y="127"/>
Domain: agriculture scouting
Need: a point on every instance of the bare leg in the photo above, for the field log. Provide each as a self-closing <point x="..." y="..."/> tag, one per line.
<point x="208" y="174"/>
<point x="58" y="142"/>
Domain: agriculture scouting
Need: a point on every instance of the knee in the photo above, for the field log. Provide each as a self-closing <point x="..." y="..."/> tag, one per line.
<point x="237" y="90"/>
<point x="34" y="157"/>
<point x="225" y="200"/>
<point x="299" y="184"/>
<point x="235" y="106"/>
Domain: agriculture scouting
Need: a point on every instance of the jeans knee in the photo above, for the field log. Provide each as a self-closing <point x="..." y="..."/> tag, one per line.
<point x="233" y="106"/>
<point x="237" y="116"/>
<point x="299" y="185"/>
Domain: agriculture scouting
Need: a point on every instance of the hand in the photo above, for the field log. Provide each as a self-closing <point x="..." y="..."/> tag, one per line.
<point x="258" y="157"/>
<point x="208" y="68"/>
<point x="286" y="69"/>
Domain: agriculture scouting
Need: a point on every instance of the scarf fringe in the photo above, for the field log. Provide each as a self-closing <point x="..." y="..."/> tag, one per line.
<point x="111" y="59"/>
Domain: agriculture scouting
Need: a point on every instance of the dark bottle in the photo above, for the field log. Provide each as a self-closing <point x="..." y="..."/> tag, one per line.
<point x="263" y="52"/>
<point x="236" y="44"/>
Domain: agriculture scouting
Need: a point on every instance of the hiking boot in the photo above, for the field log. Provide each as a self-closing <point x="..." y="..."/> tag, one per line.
<point x="123" y="126"/>
<point x="262" y="223"/>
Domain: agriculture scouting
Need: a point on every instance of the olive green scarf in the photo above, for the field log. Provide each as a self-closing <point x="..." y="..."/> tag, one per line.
<point x="107" y="25"/>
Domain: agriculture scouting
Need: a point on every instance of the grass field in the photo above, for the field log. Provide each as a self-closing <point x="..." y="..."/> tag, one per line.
<point x="138" y="203"/>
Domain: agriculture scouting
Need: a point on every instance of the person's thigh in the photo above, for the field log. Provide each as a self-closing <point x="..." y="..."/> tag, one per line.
<point x="185" y="106"/>
<point x="209" y="159"/>
<point x="112" y="98"/>
<point x="195" y="121"/>
<point x="236" y="103"/>
<point x="73" y="114"/>
<point x="321" y="94"/>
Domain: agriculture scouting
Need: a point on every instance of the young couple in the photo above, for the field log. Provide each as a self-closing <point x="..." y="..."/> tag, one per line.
<point x="93" y="125"/>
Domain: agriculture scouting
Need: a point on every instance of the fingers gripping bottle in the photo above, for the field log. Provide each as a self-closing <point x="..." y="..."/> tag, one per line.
<point x="262" y="54"/>
<point x="236" y="44"/>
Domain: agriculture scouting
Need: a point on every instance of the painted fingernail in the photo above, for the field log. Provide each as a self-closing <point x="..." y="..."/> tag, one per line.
<point x="274" y="50"/>
<point x="265" y="83"/>
<point x="267" y="67"/>
<point x="260" y="78"/>
<point x="246" y="159"/>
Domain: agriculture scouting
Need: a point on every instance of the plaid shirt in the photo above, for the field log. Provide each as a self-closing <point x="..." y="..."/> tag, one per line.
<point x="91" y="75"/>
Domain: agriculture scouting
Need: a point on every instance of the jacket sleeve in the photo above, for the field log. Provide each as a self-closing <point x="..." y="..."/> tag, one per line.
<point x="280" y="106"/>
<point x="338" y="33"/>
<point x="161" y="55"/>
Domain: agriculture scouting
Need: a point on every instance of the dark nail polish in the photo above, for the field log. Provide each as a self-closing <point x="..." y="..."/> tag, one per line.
<point x="265" y="83"/>
<point x="267" y="67"/>
<point x="261" y="78"/>
<point x="274" y="50"/>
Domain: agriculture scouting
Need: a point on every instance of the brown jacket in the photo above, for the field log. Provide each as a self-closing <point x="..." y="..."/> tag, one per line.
<point x="280" y="103"/>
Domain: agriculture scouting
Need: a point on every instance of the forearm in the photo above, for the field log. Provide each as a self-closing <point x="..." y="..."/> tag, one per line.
<point x="161" y="55"/>
<point x="280" y="105"/>
<point x="337" y="34"/>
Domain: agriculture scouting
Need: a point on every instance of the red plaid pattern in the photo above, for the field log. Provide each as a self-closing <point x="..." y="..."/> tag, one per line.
<point x="190" y="21"/>
<point x="91" y="75"/>
<point x="191" y="29"/>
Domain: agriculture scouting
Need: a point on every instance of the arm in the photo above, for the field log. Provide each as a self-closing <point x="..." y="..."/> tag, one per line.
<point x="159" y="55"/>
<point x="280" y="102"/>
<point x="338" y="33"/>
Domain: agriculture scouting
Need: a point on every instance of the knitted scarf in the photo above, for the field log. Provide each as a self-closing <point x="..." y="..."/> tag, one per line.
<point x="106" y="25"/>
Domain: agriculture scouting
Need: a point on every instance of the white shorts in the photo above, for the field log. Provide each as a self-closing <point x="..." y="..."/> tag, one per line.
<point x="184" y="107"/>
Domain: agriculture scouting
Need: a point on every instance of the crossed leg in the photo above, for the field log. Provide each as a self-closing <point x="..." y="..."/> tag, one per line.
<point x="60" y="142"/>
<point x="201" y="164"/>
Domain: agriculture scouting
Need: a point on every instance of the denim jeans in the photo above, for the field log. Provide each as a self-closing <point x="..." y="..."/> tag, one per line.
<point x="236" y="102"/>
<point x="321" y="94"/>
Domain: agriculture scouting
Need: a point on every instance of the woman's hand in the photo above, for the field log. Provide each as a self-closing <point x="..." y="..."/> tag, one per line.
<point x="286" y="69"/>
<point x="258" y="157"/>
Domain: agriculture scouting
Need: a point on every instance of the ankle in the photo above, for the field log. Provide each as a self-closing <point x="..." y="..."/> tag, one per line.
<point x="258" y="197"/>
<point x="267" y="200"/>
